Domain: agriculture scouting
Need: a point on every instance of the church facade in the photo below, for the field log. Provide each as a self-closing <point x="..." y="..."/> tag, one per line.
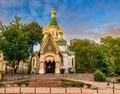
<point x="53" y="56"/>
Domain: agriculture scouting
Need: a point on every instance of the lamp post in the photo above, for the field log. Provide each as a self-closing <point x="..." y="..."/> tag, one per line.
<point x="113" y="87"/>
<point x="113" y="82"/>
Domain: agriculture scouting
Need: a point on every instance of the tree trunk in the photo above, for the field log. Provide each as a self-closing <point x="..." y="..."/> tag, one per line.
<point x="16" y="67"/>
<point x="30" y="65"/>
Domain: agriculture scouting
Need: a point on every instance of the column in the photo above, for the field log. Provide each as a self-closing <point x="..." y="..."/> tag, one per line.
<point x="42" y="68"/>
<point x="57" y="68"/>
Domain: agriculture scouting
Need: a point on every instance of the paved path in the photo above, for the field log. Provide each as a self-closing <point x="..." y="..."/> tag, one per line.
<point x="58" y="90"/>
<point x="102" y="89"/>
<point x="102" y="85"/>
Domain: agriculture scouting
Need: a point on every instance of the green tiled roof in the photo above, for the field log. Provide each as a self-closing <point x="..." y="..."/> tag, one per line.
<point x="53" y="22"/>
<point x="61" y="41"/>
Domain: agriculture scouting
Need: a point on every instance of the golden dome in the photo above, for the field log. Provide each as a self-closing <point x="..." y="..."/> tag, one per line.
<point x="53" y="11"/>
<point x="60" y="31"/>
<point x="45" y="32"/>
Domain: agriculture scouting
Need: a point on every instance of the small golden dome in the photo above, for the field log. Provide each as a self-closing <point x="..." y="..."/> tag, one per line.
<point x="60" y="31"/>
<point x="53" y="11"/>
<point x="45" y="32"/>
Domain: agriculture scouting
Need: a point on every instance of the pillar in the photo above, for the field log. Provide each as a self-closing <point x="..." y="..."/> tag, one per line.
<point x="57" y="68"/>
<point x="42" y="68"/>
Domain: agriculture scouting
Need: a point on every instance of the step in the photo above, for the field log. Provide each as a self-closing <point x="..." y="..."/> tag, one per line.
<point x="45" y="82"/>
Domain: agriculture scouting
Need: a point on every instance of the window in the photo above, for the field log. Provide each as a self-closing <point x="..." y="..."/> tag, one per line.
<point x="53" y="33"/>
<point x="72" y="62"/>
<point x="33" y="62"/>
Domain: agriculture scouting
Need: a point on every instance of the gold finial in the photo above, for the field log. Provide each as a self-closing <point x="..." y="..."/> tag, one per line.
<point x="53" y="12"/>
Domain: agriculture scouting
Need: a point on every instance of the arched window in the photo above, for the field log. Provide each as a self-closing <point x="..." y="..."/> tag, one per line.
<point x="53" y="33"/>
<point x="33" y="62"/>
<point x="72" y="62"/>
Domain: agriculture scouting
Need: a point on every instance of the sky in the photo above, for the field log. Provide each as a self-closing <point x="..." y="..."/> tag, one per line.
<point x="83" y="19"/>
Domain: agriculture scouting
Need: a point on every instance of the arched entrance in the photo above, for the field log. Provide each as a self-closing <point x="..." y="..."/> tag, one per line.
<point x="50" y="66"/>
<point x="49" y="63"/>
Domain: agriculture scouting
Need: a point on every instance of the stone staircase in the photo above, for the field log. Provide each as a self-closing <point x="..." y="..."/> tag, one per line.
<point x="45" y="82"/>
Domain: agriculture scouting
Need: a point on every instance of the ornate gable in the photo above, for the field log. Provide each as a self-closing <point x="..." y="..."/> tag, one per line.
<point x="49" y="45"/>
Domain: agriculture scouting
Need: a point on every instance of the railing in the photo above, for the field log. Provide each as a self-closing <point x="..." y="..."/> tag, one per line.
<point x="45" y="90"/>
<point x="55" y="90"/>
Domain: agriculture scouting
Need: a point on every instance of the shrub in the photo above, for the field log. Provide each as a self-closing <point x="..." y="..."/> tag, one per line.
<point x="1" y="84"/>
<point x="99" y="76"/>
<point x="118" y="79"/>
<point x="26" y="83"/>
<point x="73" y="84"/>
<point x="88" y="85"/>
<point x="81" y="84"/>
<point x="70" y="71"/>
<point x="1" y="72"/>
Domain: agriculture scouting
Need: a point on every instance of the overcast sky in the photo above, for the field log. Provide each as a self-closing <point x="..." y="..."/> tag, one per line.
<point x="84" y="19"/>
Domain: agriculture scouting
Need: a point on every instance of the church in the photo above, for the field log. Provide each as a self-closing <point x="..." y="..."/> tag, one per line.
<point x="53" y="55"/>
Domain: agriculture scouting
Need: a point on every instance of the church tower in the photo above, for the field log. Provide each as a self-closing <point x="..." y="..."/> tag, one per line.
<point x="53" y="54"/>
<point x="55" y="31"/>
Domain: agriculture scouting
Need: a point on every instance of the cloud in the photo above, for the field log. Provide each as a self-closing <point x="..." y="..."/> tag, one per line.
<point x="11" y="3"/>
<point x="111" y="30"/>
<point x="77" y="18"/>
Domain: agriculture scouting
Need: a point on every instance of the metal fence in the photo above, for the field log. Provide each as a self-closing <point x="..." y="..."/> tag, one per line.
<point x="44" y="90"/>
<point x="54" y="90"/>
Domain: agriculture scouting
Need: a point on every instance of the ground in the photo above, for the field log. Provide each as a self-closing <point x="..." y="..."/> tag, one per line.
<point x="103" y="88"/>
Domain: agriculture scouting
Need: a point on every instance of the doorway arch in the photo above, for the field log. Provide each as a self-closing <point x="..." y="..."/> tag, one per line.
<point x="50" y="66"/>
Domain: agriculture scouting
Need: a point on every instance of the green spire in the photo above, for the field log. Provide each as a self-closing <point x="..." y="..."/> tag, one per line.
<point x="53" y="21"/>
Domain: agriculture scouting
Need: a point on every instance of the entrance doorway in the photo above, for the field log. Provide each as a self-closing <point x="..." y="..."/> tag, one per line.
<point x="50" y="66"/>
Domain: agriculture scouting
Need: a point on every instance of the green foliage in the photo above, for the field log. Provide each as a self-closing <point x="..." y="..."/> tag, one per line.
<point x="2" y="72"/>
<point x="72" y="84"/>
<point x="14" y="43"/>
<point x="26" y="83"/>
<point x="34" y="31"/>
<point x="70" y="71"/>
<point x="117" y="68"/>
<point x="88" y="56"/>
<point x="118" y="79"/>
<point x="111" y="48"/>
<point x="99" y="76"/>
<point x="88" y="85"/>
<point x="1" y="84"/>
<point x="17" y="41"/>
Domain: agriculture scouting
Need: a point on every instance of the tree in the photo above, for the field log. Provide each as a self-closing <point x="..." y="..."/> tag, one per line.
<point x="83" y="56"/>
<point x="14" y="43"/>
<point x="111" y="47"/>
<point x="88" y="56"/>
<point x="34" y="31"/>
